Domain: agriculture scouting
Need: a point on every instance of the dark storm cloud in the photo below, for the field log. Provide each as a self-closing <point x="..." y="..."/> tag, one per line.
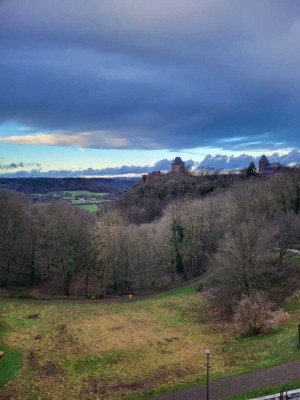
<point x="152" y="74"/>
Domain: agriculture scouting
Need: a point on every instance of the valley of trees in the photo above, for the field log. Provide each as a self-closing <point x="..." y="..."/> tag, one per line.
<point x="236" y="231"/>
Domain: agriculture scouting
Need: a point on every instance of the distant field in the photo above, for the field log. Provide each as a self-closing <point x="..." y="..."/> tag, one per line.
<point x="113" y="350"/>
<point x="87" y="200"/>
<point x="83" y="201"/>
<point x="89" y="207"/>
<point x="74" y="193"/>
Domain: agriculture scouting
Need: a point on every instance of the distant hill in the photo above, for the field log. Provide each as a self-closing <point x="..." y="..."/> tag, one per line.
<point x="44" y="185"/>
<point x="146" y="201"/>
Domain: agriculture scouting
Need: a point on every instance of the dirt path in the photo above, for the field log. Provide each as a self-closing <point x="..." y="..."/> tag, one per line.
<point x="235" y="385"/>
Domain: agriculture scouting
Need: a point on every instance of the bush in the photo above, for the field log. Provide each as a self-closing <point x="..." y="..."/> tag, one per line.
<point x="255" y="314"/>
<point x="22" y="294"/>
<point x="4" y="293"/>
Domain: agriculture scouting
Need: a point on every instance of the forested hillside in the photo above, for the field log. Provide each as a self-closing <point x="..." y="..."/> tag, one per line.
<point x="238" y="233"/>
<point x="45" y="185"/>
<point x="147" y="200"/>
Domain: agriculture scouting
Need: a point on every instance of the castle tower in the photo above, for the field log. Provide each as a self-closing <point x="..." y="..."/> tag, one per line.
<point x="178" y="165"/>
<point x="262" y="163"/>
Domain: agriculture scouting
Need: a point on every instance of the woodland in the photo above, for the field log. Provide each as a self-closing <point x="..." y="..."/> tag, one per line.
<point x="98" y="305"/>
<point x="235" y="232"/>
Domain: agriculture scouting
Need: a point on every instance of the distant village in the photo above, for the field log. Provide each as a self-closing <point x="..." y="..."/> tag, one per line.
<point x="265" y="168"/>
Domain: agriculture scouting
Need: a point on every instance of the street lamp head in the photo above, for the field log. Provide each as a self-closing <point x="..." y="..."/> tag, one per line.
<point x="207" y="352"/>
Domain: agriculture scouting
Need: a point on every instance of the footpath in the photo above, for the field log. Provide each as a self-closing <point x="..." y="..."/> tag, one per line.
<point x="238" y="385"/>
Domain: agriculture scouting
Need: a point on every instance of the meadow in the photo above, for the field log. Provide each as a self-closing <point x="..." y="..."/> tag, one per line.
<point x="90" y="201"/>
<point x="85" y="199"/>
<point x="129" y="349"/>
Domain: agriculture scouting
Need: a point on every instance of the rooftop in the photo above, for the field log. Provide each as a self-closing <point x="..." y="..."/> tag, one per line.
<point x="264" y="159"/>
<point x="177" y="161"/>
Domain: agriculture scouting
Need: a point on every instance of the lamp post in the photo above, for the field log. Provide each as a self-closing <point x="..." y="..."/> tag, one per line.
<point x="207" y="352"/>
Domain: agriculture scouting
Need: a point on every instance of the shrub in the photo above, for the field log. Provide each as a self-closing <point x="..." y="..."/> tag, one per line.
<point x="23" y="294"/>
<point x="255" y="314"/>
<point x="4" y="293"/>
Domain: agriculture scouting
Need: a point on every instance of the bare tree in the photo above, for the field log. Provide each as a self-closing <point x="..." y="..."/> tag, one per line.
<point x="285" y="230"/>
<point x="108" y="238"/>
<point x="67" y="236"/>
<point x="195" y="227"/>
<point x="244" y="262"/>
<point x="15" y="249"/>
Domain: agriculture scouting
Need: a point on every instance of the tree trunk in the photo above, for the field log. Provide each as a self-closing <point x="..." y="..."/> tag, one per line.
<point x="87" y="280"/>
<point x="32" y="265"/>
<point x="7" y="274"/>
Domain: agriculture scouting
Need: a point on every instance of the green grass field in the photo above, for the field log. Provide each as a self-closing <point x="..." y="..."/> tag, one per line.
<point x="128" y="349"/>
<point x="89" y="207"/>
<point x="79" y="202"/>
<point x="90" y="201"/>
<point x="10" y="364"/>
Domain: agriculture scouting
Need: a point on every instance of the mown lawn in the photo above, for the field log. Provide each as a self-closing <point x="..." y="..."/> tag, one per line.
<point x="110" y="350"/>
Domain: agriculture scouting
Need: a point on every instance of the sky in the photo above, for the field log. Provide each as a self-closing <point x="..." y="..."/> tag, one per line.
<point x="104" y="85"/>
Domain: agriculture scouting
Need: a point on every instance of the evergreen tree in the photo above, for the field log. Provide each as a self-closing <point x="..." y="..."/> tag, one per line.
<point x="251" y="170"/>
<point x="177" y="238"/>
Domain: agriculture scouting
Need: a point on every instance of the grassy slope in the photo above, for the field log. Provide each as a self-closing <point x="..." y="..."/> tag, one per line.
<point x="10" y="364"/>
<point x="111" y="350"/>
<point x="293" y="307"/>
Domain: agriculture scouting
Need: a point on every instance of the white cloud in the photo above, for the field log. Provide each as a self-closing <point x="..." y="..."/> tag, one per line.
<point x="94" y="139"/>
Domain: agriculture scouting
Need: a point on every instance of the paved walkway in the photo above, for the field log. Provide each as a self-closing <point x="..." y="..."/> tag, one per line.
<point x="235" y="385"/>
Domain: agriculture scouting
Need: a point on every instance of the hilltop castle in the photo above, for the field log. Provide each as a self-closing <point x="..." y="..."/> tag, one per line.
<point x="177" y="166"/>
<point x="267" y="168"/>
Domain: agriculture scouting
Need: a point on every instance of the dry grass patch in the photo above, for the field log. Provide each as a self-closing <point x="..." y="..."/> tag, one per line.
<point x="142" y="344"/>
<point x="107" y="351"/>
